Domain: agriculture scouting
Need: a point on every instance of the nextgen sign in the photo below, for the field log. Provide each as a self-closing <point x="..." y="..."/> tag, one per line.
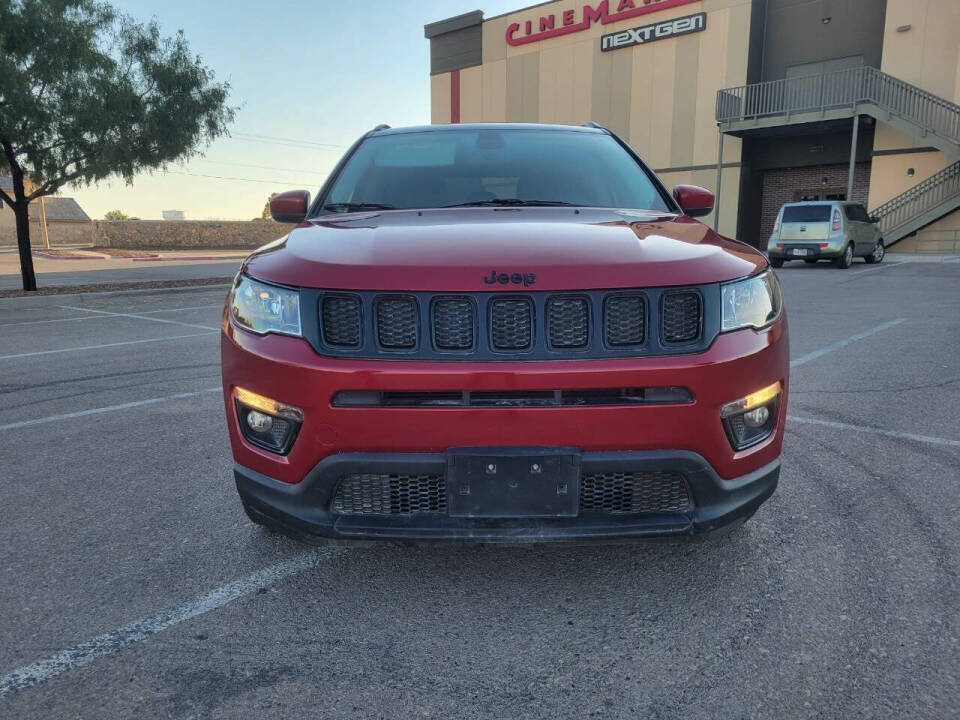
<point x="658" y="31"/>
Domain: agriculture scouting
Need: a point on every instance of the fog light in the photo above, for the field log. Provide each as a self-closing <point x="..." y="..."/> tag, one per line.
<point x="756" y="418"/>
<point x="267" y="423"/>
<point x="752" y="418"/>
<point x="258" y="421"/>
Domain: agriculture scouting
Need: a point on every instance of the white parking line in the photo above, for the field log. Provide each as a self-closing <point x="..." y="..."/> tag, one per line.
<point x="876" y="431"/>
<point x="97" y="317"/>
<point x="219" y="306"/>
<point x="887" y="266"/>
<point x="804" y="359"/>
<point x="108" y="408"/>
<point x="104" y="345"/>
<point x="112" y="642"/>
<point x="139" y="317"/>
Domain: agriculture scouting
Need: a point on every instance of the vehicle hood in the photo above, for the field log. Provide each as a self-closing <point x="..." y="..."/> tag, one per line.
<point x="454" y="250"/>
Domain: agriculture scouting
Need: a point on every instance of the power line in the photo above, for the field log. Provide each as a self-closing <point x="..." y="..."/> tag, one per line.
<point x="311" y="183"/>
<point x="285" y="141"/>
<point x="263" y="167"/>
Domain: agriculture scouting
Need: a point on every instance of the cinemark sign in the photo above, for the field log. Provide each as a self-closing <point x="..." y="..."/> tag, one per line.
<point x="657" y="31"/>
<point x="556" y="24"/>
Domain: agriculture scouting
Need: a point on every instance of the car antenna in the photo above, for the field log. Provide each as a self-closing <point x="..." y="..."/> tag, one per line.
<point x="382" y="126"/>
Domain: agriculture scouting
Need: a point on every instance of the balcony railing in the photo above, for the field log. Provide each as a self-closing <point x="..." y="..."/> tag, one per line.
<point x="843" y="88"/>
<point x="918" y="200"/>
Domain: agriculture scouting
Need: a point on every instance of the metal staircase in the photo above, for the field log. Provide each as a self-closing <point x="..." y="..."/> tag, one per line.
<point x="842" y="94"/>
<point x="921" y="205"/>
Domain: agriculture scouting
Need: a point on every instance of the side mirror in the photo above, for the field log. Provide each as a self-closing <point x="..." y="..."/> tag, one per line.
<point x="694" y="201"/>
<point x="874" y="219"/>
<point x="290" y="206"/>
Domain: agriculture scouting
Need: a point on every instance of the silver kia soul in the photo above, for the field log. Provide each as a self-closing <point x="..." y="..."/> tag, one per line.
<point x="837" y="231"/>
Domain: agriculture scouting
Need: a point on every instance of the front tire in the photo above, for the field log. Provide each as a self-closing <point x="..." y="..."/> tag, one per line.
<point x="776" y="262"/>
<point x="846" y="260"/>
<point x="878" y="253"/>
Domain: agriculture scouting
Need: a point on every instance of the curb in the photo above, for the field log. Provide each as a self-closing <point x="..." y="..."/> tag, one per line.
<point x="41" y="301"/>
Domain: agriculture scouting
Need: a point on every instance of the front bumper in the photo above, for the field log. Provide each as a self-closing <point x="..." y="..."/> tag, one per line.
<point x="303" y="509"/>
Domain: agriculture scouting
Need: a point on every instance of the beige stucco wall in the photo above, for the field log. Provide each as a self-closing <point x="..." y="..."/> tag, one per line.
<point x="927" y="55"/>
<point x="660" y="96"/>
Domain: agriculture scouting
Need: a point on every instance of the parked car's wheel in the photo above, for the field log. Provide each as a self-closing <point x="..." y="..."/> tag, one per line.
<point x="845" y="260"/>
<point x="810" y="261"/>
<point x="776" y="262"/>
<point x="878" y="252"/>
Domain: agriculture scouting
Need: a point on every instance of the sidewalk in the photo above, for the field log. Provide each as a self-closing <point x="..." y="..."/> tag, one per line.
<point x="83" y="266"/>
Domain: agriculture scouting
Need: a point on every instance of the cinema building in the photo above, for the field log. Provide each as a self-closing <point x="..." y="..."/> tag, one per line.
<point x="763" y="101"/>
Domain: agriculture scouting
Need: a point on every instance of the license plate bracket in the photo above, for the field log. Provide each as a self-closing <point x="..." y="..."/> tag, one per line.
<point x="513" y="482"/>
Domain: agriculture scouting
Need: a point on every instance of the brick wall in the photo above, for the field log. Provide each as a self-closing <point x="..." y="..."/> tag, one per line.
<point x="188" y="234"/>
<point x="781" y="186"/>
<point x="61" y="233"/>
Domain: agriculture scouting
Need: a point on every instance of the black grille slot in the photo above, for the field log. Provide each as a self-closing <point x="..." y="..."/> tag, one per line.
<point x="453" y="320"/>
<point x="390" y="494"/>
<point x="624" y="319"/>
<point x="568" y="322"/>
<point x="681" y="317"/>
<point x="341" y="318"/>
<point x="628" y="493"/>
<point x="511" y="323"/>
<point x="397" y="322"/>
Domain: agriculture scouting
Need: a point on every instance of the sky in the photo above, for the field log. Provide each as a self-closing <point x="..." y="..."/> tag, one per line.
<point x="318" y="73"/>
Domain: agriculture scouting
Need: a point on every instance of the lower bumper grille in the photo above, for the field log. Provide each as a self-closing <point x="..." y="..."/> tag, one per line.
<point x="384" y="494"/>
<point x="617" y="493"/>
<point x="626" y="493"/>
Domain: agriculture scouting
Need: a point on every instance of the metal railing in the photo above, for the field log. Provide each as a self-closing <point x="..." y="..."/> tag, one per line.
<point x="851" y="87"/>
<point x="921" y="198"/>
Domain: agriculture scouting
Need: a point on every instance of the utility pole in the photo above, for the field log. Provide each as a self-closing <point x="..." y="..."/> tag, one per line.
<point x="43" y="223"/>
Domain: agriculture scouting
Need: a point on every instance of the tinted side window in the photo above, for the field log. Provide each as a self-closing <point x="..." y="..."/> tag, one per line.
<point x="856" y="213"/>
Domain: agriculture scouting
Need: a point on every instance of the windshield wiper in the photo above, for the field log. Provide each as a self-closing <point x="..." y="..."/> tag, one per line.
<point x="511" y="202"/>
<point x="351" y="207"/>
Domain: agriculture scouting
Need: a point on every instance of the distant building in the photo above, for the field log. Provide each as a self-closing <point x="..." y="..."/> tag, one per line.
<point x="66" y="220"/>
<point x="174" y="215"/>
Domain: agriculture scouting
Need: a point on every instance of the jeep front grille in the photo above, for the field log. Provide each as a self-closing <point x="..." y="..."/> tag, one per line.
<point x="453" y="323"/>
<point x="625" y="319"/>
<point x="681" y="317"/>
<point x="397" y="322"/>
<point x="511" y="323"/>
<point x="568" y="322"/>
<point x="520" y="325"/>
<point x="342" y="320"/>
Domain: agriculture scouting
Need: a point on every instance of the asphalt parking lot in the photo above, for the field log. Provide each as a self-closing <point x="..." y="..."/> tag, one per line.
<point x="134" y="586"/>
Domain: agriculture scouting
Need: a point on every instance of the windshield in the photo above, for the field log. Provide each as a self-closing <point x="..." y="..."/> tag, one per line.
<point x="806" y="213"/>
<point x="495" y="166"/>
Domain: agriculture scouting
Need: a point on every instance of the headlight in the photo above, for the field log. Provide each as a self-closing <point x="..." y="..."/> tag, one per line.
<point x="755" y="302"/>
<point x="263" y="308"/>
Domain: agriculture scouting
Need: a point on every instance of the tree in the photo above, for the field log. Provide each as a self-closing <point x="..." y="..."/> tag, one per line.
<point x="116" y="215"/>
<point x="265" y="215"/>
<point x="86" y="93"/>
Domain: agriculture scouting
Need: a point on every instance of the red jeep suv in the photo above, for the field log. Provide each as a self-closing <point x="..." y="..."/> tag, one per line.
<point x="502" y="333"/>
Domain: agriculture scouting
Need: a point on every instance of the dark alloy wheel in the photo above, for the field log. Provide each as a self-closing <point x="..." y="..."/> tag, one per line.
<point x="846" y="260"/>
<point x="878" y="253"/>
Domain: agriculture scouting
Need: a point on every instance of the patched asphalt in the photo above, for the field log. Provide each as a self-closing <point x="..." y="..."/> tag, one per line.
<point x="838" y="599"/>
